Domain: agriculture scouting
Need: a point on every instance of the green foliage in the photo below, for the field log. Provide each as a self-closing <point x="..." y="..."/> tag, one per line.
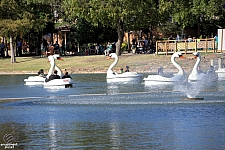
<point x="208" y="14"/>
<point x="122" y="15"/>
<point x="88" y="33"/>
<point x="124" y="47"/>
<point x="169" y="28"/>
<point x="17" y="17"/>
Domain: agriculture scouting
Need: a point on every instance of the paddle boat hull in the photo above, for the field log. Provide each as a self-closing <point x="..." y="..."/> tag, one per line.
<point x="127" y="77"/>
<point x="221" y="73"/>
<point x="158" y="79"/>
<point x="66" y="83"/>
<point x="34" y="80"/>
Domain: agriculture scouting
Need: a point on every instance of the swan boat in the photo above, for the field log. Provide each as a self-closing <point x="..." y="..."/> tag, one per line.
<point x="67" y="82"/>
<point x="220" y="71"/>
<point x="198" y="80"/>
<point x="162" y="79"/>
<point x="40" y="80"/>
<point x="126" y="77"/>
<point x="37" y="80"/>
<point x="197" y="75"/>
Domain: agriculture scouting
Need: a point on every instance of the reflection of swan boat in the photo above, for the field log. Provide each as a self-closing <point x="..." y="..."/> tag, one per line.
<point x="67" y="82"/>
<point x="162" y="79"/>
<point x="126" y="77"/>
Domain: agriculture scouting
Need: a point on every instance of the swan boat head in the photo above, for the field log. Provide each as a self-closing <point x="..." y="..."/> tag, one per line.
<point x="161" y="78"/>
<point x="126" y="76"/>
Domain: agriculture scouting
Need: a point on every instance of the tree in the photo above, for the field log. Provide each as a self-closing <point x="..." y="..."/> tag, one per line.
<point x="88" y="33"/>
<point x="196" y="12"/>
<point x="17" y="17"/>
<point x="113" y="13"/>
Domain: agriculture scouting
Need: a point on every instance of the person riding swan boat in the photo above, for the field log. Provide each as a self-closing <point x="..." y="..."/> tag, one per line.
<point x="162" y="79"/>
<point x="126" y="77"/>
<point x="67" y="82"/>
<point x="36" y="80"/>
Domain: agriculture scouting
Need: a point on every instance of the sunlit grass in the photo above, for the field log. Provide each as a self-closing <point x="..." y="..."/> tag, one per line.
<point x="93" y="63"/>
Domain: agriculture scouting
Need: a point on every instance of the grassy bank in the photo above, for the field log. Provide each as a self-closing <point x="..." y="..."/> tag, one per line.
<point x="100" y="64"/>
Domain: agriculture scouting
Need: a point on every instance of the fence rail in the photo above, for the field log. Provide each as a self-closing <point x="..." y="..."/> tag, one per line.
<point x="171" y="46"/>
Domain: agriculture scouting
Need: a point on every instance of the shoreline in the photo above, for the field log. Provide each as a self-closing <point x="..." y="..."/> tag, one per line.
<point x="97" y="64"/>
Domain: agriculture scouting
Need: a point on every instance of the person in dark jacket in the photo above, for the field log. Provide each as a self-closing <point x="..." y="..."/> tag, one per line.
<point x="53" y="76"/>
<point x="66" y="76"/>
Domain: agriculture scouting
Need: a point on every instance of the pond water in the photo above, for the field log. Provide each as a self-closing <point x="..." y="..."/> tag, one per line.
<point x="97" y="115"/>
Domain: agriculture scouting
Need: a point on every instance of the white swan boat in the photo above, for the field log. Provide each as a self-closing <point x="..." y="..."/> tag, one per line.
<point x="67" y="82"/>
<point x="126" y="77"/>
<point x="37" y="80"/>
<point x="220" y="71"/>
<point x="162" y="79"/>
<point x="197" y="75"/>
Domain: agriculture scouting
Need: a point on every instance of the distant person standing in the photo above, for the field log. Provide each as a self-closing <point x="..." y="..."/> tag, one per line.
<point x="134" y="45"/>
<point x="2" y="49"/>
<point x="56" y="48"/>
<point x="63" y="47"/>
<point x="19" y="48"/>
<point x="178" y="37"/>
<point x="45" y="46"/>
<point x="216" y="42"/>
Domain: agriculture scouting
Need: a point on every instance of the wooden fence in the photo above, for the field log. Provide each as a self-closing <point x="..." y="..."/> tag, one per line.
<point x="171" y="46"/>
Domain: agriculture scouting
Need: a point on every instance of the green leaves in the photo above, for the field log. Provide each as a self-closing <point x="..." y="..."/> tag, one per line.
<point x="19" y="16"/>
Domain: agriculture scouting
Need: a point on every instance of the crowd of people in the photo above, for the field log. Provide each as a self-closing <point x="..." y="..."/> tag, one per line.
<point x="143" y="46"/>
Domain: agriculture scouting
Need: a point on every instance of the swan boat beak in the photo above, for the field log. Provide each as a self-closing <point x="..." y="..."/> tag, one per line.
<point x="59" y="58"/>
<point x="109" y="57"/>
<point x="182" y="57"/>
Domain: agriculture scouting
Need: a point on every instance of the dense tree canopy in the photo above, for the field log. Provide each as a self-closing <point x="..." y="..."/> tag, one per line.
<point x="207" y="13"/>
<point x="123" y="15"/>
<point x="17" y="17"/>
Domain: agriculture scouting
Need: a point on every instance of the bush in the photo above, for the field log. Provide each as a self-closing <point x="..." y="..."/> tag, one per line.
<point x="124" y="47"/>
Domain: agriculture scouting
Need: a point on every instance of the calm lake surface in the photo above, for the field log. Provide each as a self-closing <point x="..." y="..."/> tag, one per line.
<point x="97" y="115"/>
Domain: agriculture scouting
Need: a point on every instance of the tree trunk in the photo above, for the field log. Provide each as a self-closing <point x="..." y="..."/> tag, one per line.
<point x="13" y="58"/>
<point x="120" y="38"/>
